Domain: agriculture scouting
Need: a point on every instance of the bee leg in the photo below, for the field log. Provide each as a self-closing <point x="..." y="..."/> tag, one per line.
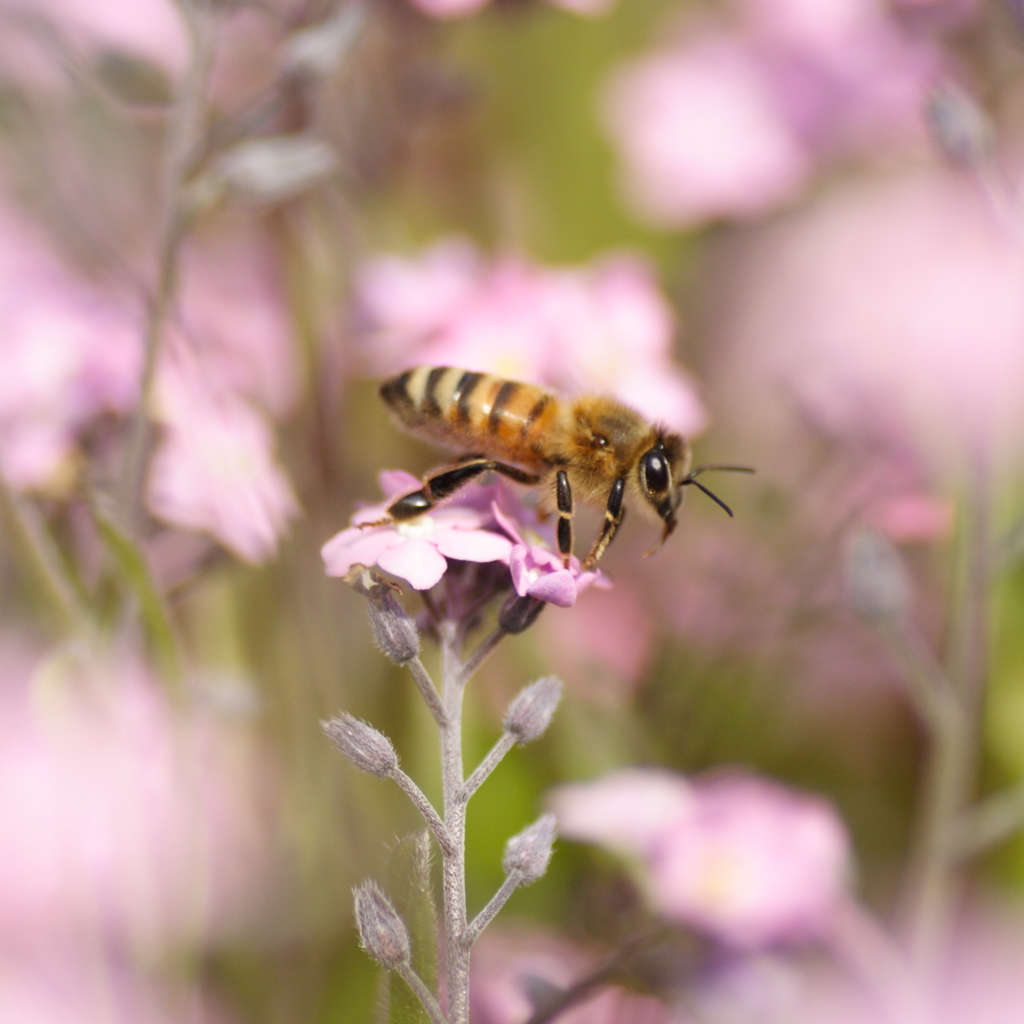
<point x="614" y="513"/>
<point x="563" y="500"/>
<point x="447" y="482"/>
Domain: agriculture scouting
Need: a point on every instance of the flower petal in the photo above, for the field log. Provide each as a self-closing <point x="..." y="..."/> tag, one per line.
<point x="416" y="561"/>
<point x="557" y="588"/>
<point x="473" y="545"/>
<point x="395" y="482"/>
<point x="506" y="523"/>
<point x="353" y="545"/>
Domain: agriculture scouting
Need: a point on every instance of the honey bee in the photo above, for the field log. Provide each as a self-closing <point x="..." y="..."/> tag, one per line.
<point x="591" y="448"/>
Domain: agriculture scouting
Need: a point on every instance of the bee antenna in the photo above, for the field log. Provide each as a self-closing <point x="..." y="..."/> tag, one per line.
<point x="721" y="469"/>
<point x="714" y="497"/>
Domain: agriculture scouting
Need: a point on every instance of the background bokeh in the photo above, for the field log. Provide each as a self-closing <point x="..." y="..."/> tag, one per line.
<point x="792" y="228"/>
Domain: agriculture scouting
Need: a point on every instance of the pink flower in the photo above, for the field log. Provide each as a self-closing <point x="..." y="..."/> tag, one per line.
<point x="701" y="137"/>
<point x="604" y="328"/>
<point x="214" y="469"/>
<point x="418" y="550"/>
<point x="740" y="857"/>
<point x="144" y="28"/>
<point x="891" y="308"/>
<point x="538" y="572"/>
<point x="461" y="8"/>
<point x="734" y="121"/>
<point x="121" y="820"/>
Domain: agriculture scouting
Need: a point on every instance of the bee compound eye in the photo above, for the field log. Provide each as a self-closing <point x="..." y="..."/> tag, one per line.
<point x="655" y="467"/>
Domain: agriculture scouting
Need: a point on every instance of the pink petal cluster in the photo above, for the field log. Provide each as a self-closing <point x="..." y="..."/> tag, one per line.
<point x="461" y="8"/>
<point x="416" y="551"/>
<point x="604" y="328"/>
<point x="121" y="820"/>
<point x="733" y="120"/>
<point x="229" y="360"/>
<point x="214" y="469"/>
<point x="538" y="572"/>
<point x="742" y="858"/>
<point x="152" y="29"/>
<point x="893" y="307"/>
<point x="69" y="353"/>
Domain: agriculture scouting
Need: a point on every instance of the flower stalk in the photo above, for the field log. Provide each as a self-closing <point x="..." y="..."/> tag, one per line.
<point x="526" y="855"/>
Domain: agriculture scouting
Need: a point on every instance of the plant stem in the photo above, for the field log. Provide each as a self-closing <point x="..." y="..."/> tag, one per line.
<point x="453" y="864"/>
<point x="427" y="689"/>
<point x="426" y="809"/>
<point x="951" y="764"/>
<point x="40" y="558"/>
<point x="505" y="743"/>
<point x="182" y="136"/>
<point x="420" y="990"/>
<point x="990" y="822"/>
<point x="497" y="901"/>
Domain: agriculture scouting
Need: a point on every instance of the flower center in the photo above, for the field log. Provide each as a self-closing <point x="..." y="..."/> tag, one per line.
<point x="422" y="527"/>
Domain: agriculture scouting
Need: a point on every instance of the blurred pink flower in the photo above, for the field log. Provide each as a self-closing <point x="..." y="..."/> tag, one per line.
<point x="740" y="857"/>
<point x="733" y="122"/>
<point x="461" y="8"/>
<point x="65" y="989"/>
<point x="123" y="822"/>
<point x="700" y="136"/>
<point x="214" y="468"/>
<point x="152" y="29"/>
<point x="913" y="517"/>
<point x="69" y="353"/>
<point x="603" y="328"/>
<point x="418" y="550"/>
<point x="891" y="307"/>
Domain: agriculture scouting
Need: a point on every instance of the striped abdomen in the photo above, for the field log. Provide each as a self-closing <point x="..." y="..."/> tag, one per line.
<point x="474" y="412"/>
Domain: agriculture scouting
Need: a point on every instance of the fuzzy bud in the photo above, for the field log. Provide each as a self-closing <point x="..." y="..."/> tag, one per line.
<point x="519" y="613"/>
<point x="530" y="713"/>
<point x="319" y="50"/>
<point x="369" y="750"/>
<point x="394" y="631"/>
<point x="959" y="126"/>
<point x="528" y="853"/>
<point x="382" y="933"/>
<point x="274" y="168"/>
<point x="877" y="583"/>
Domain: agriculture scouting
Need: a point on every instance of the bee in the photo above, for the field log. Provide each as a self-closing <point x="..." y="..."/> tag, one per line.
<point x="591" y="448"/>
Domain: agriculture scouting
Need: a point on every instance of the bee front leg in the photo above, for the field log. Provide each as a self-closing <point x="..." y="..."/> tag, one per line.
<point x="447" y="482"/>
<point x="614" y="513"/>
<point x="563" y="500"/>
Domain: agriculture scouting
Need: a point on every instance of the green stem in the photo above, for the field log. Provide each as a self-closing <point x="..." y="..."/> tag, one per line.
<point x="41" y="560"/>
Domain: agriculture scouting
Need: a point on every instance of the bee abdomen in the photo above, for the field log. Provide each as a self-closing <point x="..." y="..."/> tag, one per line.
<point x="462" y="407"/>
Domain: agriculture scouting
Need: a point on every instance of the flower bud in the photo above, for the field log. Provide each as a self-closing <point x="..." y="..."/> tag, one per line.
<point x="382" y="933"/>
<point x="319" y="50"/>
<point x="877" y="583"/>
<point x="275" y="168"/>
<point x="528" y="853"/>
<point x="369" y="750"/>
<point x="393" y="630"/>
<point x="530" y="713"/>
<point x="959" y="126"/>
<point x="519" y="613"/>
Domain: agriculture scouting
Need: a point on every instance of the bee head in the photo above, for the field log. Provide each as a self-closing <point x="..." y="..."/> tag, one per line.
<point x="662" y="470"/>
